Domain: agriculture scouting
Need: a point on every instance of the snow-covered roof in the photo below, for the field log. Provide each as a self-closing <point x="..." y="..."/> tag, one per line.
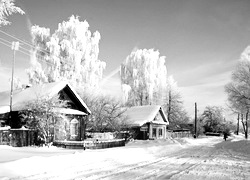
<point x="139" y="115"/>
<point x="5" y="128"/>
<point x="23" y="96"/>
<point x="69" y="111"/>
<point x="4" y="109"/>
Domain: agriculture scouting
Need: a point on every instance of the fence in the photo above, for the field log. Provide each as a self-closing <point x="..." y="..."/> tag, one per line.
<point x="17" y="137"/>
<point x="181" y="134"/>
<point x="90" y="144"/>
<point x="105" y="135"/>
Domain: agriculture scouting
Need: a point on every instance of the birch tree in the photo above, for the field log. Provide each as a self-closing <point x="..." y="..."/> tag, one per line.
<point x="174" y="105"/>
<point x="144" y="77"/>
<point x="70" y="53"/>
<point x="238" y="89"/>
<point x="7" y="8"/>
<point x="107" y="113"/>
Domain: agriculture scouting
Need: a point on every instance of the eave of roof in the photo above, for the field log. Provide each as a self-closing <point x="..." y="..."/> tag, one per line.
<point x="69" y="111"/>
<point x="79" y="98"/>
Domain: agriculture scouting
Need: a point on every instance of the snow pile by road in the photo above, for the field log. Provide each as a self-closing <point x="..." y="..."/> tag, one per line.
<point x="194" y="142"/>
<point x="239" y="144"/>
<point x="238" y="137"/>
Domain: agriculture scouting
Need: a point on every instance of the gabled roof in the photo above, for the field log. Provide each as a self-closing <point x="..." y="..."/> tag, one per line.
<point x="23" y="96"/>
<point x="139" y="115"/>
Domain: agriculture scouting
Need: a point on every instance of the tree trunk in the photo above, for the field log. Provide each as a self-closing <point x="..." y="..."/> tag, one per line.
<point x="246" y="133"/>
<point x="54" y="128"/>
<point x="246" y="126"/>
<point x="169" y="105"/>
<point x="195" y="121"/>
<point x="238" y="124"/>
<point x="44" y="135"/>
<point x="242" y="121"/>
<point x="48" y="128"/>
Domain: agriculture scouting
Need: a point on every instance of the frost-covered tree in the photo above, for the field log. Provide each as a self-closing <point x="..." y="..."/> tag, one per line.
<point x="41" y="116"/>
<point x="212" y="119"/>
<point x="174" y="105"/>
<point x="70" y="53"/>
<point x="7" y="8"/>
<point x="107" y="113"/>
<point x="144" y="77"/>
<point x="238" y="89"/>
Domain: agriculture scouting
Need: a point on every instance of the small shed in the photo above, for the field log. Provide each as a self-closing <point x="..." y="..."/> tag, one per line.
<point x="147" y="122"/>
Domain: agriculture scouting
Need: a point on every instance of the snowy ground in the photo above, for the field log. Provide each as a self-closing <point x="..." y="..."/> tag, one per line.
<point x="202" y="158"/>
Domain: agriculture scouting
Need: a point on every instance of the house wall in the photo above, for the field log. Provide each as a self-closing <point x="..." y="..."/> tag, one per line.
<point x="158" y="117"/>
<point x="70" y="129"/>
<point x="157" y="131"/>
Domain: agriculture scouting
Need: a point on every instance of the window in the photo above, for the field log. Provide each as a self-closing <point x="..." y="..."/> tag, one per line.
<point x="73" y="128"/>
<point x="154" y="132"/>
<point x="160" y="132"/>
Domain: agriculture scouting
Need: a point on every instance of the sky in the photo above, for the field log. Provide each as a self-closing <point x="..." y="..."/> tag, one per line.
<point x="201" y="39"/>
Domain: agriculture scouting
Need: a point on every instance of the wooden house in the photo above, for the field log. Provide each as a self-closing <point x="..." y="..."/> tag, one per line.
<point x="147" y="122"/>
<point x="76" y="113"/>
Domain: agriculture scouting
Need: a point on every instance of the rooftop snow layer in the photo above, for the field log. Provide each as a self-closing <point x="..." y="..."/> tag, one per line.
<point x="23" y="96"/>
<point x="139" y="115"/>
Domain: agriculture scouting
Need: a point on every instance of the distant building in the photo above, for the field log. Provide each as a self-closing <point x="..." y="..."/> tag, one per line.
<point x="147" y="122"/>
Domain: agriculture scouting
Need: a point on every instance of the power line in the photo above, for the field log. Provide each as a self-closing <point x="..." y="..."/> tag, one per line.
<point x="11" y="43"/>
<point x="5" y="44"/>
<point x="28" y="54"/>
<point x="29" y="44"/>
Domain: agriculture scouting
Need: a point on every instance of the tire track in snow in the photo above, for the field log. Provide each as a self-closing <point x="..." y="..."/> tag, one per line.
<point x="120" y="168"/>
<point x="130" y="170"/>
<point x="223" y="164"/>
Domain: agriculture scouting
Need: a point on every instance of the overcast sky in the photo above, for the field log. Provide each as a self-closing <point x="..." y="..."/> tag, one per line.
<point x="201" y="39"/>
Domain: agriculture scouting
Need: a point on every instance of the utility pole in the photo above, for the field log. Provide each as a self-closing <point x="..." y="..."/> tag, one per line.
<point x="238" y="124"/>
<point x="195" y="120"/>
<point x="169" y="104"/>
<point x="14" y="47"/>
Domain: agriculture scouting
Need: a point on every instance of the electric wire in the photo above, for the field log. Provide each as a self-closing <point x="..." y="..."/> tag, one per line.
<point x="20" y="45"/>
<point x="9" y="45"/>
<point x="23" y="51"/>
<point x="29" y="44"/>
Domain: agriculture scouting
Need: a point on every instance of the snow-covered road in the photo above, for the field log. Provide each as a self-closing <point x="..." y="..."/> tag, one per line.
<point x="205" y="158"/>
<point x="201" y="162"/>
